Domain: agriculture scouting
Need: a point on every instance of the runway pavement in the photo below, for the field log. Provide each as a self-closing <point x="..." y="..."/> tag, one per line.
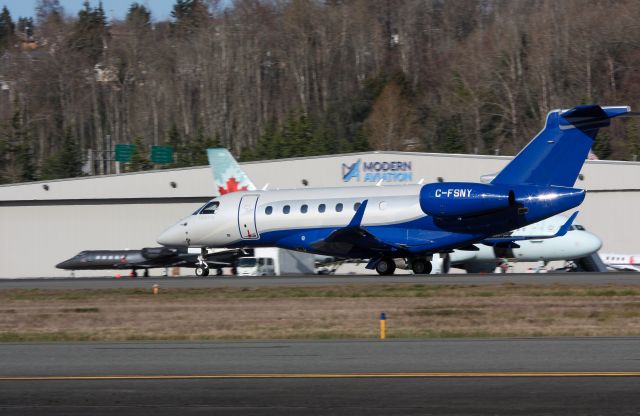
<point x="312" y="280"/>
<point x="459" y="376"/>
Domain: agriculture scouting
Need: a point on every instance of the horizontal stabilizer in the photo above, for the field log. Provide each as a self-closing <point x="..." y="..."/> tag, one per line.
<point x="589" y="117"/>
<point x="556" y="155"/>
<point x="507" y="238"/>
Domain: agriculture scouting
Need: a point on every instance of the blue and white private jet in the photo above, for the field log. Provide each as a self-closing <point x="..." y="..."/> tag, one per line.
<point x="410" y="222"/>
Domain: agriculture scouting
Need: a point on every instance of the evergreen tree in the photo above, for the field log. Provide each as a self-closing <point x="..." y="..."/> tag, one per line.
<point x="266" y="144"/>
<point x="360" y="142"/>
<point x="194" y="152"/>
<point x="449" y="137"/>
<point x="21" y="146"/>
<point x="139" y="158"/>
<point x="138" y="16"/>
<point x="198" y="148"/>
<point x="67" y="162"/>
<point x="90" y="32"/>
<point x="25" y="26"/>
<point x="602" y="146"/>
<point x="48" y="9"/>
<point x="7" y="29"/>
<point x="632" y="139"/>
<point x="189" y="15"/>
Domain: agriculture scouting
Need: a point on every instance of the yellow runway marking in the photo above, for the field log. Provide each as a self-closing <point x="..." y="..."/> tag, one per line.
<point x="330" y="375"/>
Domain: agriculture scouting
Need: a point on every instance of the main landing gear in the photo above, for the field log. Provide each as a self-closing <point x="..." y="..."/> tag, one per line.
<point x="421" y="266"/>
<point x="386" y="266"/>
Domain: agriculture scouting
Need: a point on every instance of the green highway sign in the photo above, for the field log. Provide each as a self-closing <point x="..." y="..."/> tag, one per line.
<point x="124" y="152"/>
<point x="162" y="155"/>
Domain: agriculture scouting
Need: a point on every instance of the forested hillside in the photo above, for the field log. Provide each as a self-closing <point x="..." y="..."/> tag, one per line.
<point x="273" y="79"/>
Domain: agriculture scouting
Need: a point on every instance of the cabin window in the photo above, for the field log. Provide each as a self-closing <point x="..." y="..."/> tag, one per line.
<point x="338" y="207"/>
<point x="322" y="208"/>
<point x="304" y="208"/>
<point x="356" y="206"/>
<point x="210" y="208"/>
<point x="268" y="210"/>
<point x="286" y="209"/>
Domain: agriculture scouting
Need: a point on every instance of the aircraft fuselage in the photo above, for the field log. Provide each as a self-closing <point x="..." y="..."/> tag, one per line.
<point x="299" y="219"/>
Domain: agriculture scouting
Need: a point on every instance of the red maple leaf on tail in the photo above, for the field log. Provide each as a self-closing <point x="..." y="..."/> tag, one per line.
<point x="232" y="186"/>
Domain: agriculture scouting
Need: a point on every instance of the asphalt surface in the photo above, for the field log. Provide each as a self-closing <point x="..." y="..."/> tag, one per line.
<point x="460" y="376"/>
<point x="630" y="278"/>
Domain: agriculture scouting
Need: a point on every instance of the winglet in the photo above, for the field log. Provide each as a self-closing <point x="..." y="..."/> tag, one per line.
<point x="357" y="217"/>
<point x="567" y="225"/>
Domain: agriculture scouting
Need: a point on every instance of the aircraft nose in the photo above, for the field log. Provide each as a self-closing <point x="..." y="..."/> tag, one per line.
<point x="173" y="236"/>
<point x="63" y="265"/>
<point x="593" y="242"/>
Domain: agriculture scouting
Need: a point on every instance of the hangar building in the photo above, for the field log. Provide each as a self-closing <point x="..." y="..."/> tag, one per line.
<point x="43" y="223"/>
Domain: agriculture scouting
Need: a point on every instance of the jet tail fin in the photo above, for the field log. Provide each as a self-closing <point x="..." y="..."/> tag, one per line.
<point x="227" y="173"/>
<point x="556" y="155"/>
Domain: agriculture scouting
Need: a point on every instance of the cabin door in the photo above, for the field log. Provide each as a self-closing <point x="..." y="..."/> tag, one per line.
<point x="247" y="217"/>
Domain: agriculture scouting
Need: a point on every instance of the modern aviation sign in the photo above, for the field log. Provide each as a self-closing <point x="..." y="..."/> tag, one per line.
<point x="374" y="171"/>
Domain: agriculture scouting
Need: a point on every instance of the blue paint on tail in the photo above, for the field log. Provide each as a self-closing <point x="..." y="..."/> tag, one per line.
<point x="556" y="155"/>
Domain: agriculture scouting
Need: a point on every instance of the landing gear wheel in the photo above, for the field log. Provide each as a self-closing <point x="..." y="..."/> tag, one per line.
<point x="202" y="271"/>
<point x="420" y="266"/>
<point x="146" y="273"/>
<point x="218" y="272"/>
<point x="386" y="266"/>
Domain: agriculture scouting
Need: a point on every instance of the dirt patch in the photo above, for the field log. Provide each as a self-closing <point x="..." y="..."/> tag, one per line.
<point x="413" y="311"/>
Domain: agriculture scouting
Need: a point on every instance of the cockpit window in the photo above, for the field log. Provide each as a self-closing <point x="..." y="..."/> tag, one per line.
<point x="210" y="208"/>
<point x="579" y="227"/>
<point x="198" y="211"/>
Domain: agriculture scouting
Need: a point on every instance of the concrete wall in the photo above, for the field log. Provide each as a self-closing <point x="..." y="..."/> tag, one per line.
<point x="39" y="228"/>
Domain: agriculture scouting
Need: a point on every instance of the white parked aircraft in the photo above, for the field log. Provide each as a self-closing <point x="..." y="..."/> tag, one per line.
<point x="624" y="262"/>
<point x="575" y="244"/>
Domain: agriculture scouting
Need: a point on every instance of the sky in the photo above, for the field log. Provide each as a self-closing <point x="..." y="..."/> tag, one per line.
<point x="160" y="9"/>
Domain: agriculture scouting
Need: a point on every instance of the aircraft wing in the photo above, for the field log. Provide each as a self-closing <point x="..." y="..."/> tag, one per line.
<point x="224" y="258"/>
<point x="624" y="267"/>
<point x="509" y="239"/>
<point x="353" y="239"/>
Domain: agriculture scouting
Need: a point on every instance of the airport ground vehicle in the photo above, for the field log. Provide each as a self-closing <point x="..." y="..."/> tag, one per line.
<point x="255" y="266"/>
<point x="275" y="261"/>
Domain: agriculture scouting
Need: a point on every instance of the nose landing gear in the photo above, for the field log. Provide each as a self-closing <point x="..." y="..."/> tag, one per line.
<point x="202" y="271"/>
<point x="202" y="268"/>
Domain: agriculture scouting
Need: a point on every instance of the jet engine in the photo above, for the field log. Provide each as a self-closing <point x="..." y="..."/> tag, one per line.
<point x="461" y="199"/>
<point x="152" y="253"/>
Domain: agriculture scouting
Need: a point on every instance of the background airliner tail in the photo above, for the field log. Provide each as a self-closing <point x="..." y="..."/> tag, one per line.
<point x="227" y="173"/>
<point x="556" y="155"/>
